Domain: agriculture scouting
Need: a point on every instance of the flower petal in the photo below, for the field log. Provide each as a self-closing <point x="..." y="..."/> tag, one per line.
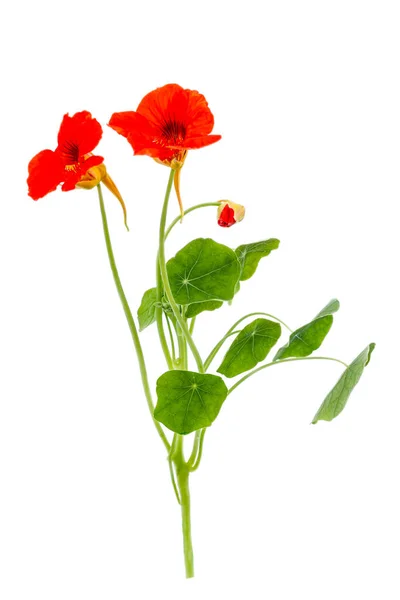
<point x="164" y="103"/>
<point x="172" y="103"/>
<point x="80" y="131"/>
<point x="200" y="141"/>
<point x="46" y="172"/>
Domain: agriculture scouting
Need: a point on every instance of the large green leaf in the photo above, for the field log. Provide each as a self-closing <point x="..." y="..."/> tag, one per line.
<point x="308" y="338"/>
<point x="197" y="308"/>
<point x="337" y="398"/>
<point x="147" y="309"/>
<point x="250" y="347"/>
<point x="249" y="256"/>
<point x="188" y="401"/>
<point x="203" y="270"/>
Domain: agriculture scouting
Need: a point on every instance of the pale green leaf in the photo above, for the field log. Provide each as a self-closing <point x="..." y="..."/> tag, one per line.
<point x="308" y="338"/>
<point x="337" y="398"/>
<point x="147" y="309"/>
<point x="249" y="256"/>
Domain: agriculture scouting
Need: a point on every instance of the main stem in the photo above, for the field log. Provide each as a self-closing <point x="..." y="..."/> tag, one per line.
<point x="165" y="280"/>
<point x="131" y="322"/>
<point x="182" y="474"/>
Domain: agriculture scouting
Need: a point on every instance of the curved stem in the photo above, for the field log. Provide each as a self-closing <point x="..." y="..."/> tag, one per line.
<point x="197" y="452"/>
<point x="216" y="349"/>
<point x="192" y="324"/>
<point x="165" y="280"/>
<point x="131" y="322"/>
<point x="186" y="212"/>
<point x="172" y="339"/>
<point x="254" y="314"/>
<point x="279" y="362"/>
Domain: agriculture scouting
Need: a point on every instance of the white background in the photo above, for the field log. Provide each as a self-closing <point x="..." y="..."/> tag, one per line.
<point x="306" y="96"/>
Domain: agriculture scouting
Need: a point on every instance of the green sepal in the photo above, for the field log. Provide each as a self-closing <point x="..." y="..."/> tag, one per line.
<point x="337" y="398"/>
<point x="250" y="347"/>
<point x="188" y="401"/>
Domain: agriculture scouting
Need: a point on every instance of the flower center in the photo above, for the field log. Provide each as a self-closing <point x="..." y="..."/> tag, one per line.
<point x="70" y="155"/>
<point x="173" y="132"/>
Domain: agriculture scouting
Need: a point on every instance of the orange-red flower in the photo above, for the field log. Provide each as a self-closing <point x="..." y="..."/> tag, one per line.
<point x="168" y="122"/>
<point x="229" y="213"/>
<point x="72" y="163"/>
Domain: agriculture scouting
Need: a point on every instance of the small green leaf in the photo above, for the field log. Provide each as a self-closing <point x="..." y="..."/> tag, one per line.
<point x="195" y="309"/>
<point x="203" y="270"/>
<point x="308" y="338"/>
<point x="337" y="398"/>
<point x="147" y="309"/>
<point x="250" y="347"/>
<point x="249" y="256"/>
<point x="188" y="401"/>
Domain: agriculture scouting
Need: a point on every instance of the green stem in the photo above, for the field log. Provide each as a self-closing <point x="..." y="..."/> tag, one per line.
<point x="165" y="280"/>
<point x="216" y="349"/>
<point x="279" y="362"/>
<point x="192" y="324"/>
<point x="182" y="474"/>
<point x="171" y="336"/>
<point x="131" y="322"/>
<point x="159" y="320"/>
<point x="186" y="212"/>
<point x="197" y="452"/>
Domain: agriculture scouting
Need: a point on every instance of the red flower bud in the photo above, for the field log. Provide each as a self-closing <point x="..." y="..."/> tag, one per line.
<point x="229" y="213"/>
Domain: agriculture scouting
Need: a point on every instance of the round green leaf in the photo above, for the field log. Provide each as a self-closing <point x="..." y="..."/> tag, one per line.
<point x="250" y="347"/>
<point x="188" y="401"/>
<point x="203" y="270"/>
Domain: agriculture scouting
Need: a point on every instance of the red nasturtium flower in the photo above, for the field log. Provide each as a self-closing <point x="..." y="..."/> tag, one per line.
<point x="72" y="163"/>
<point x="229" y="213"/>
<point x="168" y="122"/>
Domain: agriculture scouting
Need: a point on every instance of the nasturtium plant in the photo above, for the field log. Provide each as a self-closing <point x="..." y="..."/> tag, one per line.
<point x="202" y="277"/>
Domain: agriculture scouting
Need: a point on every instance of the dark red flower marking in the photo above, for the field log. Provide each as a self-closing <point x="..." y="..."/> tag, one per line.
<point x="71" y="160"/>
